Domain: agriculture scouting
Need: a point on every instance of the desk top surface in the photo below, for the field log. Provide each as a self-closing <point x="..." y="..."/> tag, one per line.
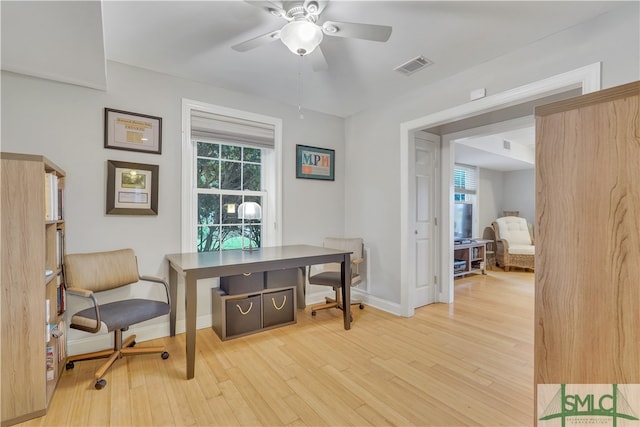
<point x="199" y="260"/>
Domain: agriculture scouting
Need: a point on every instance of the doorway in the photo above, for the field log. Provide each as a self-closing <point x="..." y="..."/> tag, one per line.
<point x="585" y="79"/>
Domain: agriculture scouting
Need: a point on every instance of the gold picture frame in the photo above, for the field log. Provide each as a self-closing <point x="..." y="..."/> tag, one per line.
<point x="132" y="188"/>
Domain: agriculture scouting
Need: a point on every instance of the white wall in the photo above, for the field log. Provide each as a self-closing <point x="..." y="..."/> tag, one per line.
<point x="520" y="193"/>
<point x="490" y="197"/>
<point x="505" y="191"/>
<point x="373" y="136"/>
<point x="65" y="123"/>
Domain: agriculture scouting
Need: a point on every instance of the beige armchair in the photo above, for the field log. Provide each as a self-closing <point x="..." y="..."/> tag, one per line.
<point x="515" y="242"/>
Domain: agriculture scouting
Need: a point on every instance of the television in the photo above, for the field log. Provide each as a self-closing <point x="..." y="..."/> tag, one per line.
<point x="462" y="221"/>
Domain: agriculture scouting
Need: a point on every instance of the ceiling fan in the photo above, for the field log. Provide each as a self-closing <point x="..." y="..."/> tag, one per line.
<point x="303" y="34"/>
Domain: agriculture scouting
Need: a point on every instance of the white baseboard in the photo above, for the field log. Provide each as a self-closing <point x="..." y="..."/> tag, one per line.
<point x="357" y="294"/>
<point x="101" y="341"/>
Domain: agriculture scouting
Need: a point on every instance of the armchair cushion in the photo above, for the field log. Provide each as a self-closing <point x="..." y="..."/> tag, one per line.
<point x="514" y="230"/>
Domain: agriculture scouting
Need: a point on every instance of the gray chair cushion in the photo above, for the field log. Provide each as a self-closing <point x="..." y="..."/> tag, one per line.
<point x="122" y="314"/>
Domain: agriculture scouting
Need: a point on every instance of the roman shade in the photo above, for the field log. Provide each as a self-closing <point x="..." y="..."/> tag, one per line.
<point x="220" y="128"/>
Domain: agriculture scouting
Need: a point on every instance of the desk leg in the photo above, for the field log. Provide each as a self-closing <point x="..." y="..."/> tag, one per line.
<point x="345" y="269"/>
<point x="191" y="290"/>
<point x="173" y="294"/>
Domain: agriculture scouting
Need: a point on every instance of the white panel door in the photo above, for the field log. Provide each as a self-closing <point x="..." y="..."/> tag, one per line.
<point x="427" y="153"/>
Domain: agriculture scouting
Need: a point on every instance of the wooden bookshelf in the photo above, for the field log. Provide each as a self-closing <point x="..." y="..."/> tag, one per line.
<point x="31" y="243"/>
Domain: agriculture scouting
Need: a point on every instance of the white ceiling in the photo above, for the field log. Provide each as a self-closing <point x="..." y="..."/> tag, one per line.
<point x="194" y="39"/>
<point x="70" y="41"/>
<point x="489" y="151"/>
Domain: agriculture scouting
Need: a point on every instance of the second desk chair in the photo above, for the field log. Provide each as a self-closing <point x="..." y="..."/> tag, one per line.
<point x="329" y="274"/>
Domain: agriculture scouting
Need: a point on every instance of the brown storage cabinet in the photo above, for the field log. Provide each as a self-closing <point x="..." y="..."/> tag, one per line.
<point x="246" y="304"/>
<point x="243" y="315"/>
<point x="282" y="278"/>
<point x="278" y="308"/>
<point x="242" y="283"/>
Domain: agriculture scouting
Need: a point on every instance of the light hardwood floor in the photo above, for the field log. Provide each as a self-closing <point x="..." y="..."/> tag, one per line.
<point x="466" y="364"/>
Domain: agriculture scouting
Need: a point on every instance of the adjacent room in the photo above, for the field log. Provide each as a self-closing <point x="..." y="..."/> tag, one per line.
<point x="252" y="212"/>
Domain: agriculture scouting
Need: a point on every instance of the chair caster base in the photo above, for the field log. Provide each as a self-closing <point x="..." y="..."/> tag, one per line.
<point x="100" y="384"/>
<point x="69" y="365"/>
<point x="165" y="355"/>
<point x="313" y="313"/>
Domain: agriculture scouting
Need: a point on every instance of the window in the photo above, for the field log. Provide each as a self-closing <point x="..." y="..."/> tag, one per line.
<point x="464" y="182"/>
<point x="226" y="176"/>
<point x="229" y="157"/>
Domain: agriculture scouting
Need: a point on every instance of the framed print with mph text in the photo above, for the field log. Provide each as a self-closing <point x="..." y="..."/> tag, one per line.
<point x="315" y="163"/>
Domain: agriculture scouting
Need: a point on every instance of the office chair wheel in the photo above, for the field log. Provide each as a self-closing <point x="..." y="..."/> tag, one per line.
<point x="361" y="306"/>
<point x="100" y="384"/>
<point x="313" y="313"/>
<point x="70" y="365"/>
<point x="133" y="344"/>
<point x="165" y="355"/>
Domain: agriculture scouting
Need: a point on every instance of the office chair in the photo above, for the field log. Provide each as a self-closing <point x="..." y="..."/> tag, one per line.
<point x="329" y="274"/>
<point x="89" y="274"/>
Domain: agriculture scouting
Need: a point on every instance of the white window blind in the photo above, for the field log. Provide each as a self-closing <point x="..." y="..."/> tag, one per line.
<point x="465" y="179"/>
<point x="217" y="127"/>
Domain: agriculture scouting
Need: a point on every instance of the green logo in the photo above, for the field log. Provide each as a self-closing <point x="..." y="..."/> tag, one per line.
<point x="590" y="407"/>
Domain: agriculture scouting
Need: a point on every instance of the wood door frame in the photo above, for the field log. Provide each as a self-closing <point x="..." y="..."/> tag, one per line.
<point x="587" y="78"/>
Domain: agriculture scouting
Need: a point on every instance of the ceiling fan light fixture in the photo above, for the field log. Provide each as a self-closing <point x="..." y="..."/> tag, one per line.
<point x="301" y="37"/>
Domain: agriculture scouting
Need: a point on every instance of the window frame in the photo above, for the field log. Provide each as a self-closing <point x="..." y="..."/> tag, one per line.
<point x="272" y="175"/>
<point x="469" y="195"/>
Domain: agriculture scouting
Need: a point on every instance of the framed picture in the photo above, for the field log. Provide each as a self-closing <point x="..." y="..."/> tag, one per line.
<point x="315" y="163"/>
<point x="131" y="131"/>
<point x="132" y="188"/>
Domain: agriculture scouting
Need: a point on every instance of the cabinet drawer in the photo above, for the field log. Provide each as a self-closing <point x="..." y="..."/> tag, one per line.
<point x="283" y="278"/>
<point x="279" y="307"/>
<point x="242" y="283"/>
<point x="243" y="315"/>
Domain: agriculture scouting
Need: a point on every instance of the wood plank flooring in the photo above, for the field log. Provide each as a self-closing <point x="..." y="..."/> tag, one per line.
<point x="466" y="364"/>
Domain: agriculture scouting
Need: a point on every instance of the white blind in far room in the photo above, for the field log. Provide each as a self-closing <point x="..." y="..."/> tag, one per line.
<point x="465" y="179"/>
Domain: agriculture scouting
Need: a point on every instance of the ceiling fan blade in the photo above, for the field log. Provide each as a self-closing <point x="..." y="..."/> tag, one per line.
<point x="257" y="41"/>
<point x="378" y="33"/>
<point x="317" y="59"/>
<point x="274" y="8"/>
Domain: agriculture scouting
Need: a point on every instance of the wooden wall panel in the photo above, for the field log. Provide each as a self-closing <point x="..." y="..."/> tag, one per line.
<point x="587" y="293"/>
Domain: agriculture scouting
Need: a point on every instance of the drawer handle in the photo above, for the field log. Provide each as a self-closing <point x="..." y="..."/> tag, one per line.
<point x="248" y="310"/>
<point x="284" y="301"/>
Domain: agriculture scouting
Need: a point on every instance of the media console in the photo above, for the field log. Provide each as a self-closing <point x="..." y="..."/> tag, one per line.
<point x="469" y="257"/>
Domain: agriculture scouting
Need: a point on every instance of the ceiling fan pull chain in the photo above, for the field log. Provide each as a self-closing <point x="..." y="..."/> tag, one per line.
<point x="300" y="88"/>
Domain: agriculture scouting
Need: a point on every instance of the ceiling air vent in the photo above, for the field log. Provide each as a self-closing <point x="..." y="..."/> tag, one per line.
<point x="413" y="65"/>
